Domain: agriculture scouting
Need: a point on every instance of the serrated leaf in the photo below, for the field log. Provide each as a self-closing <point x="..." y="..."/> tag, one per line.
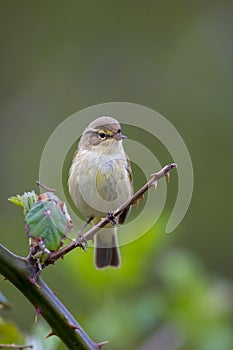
<point x="26" y="200"/>
<point x="45" y="220"/>
<point x="17" y="200"/>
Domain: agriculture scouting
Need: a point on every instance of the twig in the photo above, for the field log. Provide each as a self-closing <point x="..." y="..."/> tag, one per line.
<point x="90" y="233"/>
<point x="14" y="346"/>
<point x="46" y="188"/>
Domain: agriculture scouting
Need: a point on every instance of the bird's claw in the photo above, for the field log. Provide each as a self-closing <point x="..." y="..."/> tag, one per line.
<point x="112" y="218"/>
<point x="81" y="242"/>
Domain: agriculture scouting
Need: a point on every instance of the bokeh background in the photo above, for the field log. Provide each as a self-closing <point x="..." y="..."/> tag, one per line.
<point x="173" y="291"/>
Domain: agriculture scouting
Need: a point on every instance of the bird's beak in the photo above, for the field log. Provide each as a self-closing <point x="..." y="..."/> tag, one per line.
<point x="119" y="136"/>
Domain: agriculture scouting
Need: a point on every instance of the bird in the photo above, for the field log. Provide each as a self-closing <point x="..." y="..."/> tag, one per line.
<point x="100" y="180"/>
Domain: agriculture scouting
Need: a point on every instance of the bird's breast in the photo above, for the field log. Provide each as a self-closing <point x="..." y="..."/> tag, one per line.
<point x="102" y="182"/>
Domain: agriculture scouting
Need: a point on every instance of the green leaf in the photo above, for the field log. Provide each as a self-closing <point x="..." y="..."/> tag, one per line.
<point x="17" y="200"/>
<point x="45" y="220"/>
<point x="26" y="200"/>
<point x="10" y="333"/>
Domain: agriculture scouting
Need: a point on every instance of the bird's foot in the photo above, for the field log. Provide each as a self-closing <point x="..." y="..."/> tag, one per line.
<point x="81" y="241"/>
<point x="111" y="218"/>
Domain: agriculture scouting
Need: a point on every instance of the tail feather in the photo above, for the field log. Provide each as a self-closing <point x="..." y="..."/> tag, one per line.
<point x="106" y="249"/>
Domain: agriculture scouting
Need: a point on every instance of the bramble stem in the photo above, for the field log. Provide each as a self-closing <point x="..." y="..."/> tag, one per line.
<point x="20" y="273"/>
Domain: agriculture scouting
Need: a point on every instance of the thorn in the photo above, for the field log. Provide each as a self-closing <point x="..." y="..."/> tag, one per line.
<point x="4" y="279"/>
<point x="136" y="202"/>
<point x="83" y="248"/>
<point x="168" y="176"/>
<point x="33" y="281"/>
<point x="79" y="242"/>
<point x="37" y="314"/>
<point x="143" y="197"/>
<point x="74" y="327"/>
<point x="50" y="334"/>
<point x="99" y="345"/>
<point x="80" y="245"/>
<point x="155" y="185"/>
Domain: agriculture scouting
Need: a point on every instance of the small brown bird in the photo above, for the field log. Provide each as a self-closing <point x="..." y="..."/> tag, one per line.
<point x="100" y="180"/>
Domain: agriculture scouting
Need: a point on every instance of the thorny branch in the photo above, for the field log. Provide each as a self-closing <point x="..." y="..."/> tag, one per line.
<point x="21" y="273"/>
<point x="165" y="171"/>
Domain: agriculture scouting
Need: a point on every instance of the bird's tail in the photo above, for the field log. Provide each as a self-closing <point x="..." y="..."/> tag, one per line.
<point x="106" y="248"/>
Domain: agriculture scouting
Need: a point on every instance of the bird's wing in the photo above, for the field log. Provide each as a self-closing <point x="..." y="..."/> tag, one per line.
<point x="125" y="212"/>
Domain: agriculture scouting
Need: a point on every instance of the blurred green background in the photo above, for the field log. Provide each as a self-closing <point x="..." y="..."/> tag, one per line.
<point x="173" y="291"/>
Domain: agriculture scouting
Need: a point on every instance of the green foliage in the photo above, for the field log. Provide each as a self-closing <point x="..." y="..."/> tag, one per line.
<point x="45" y="220"/>
<point x="10" y="334"/>
<point x="46" y="217"/>
<point x="25" y="201"/>
<point x="198" y="304"/>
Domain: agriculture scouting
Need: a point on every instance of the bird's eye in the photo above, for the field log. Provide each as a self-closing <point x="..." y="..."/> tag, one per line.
<point x="102" y="135"/>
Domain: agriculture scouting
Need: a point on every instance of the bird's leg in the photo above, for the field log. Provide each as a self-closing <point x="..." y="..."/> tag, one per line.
<point x="80" y="239"/>
<point x="112" y="218"/>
